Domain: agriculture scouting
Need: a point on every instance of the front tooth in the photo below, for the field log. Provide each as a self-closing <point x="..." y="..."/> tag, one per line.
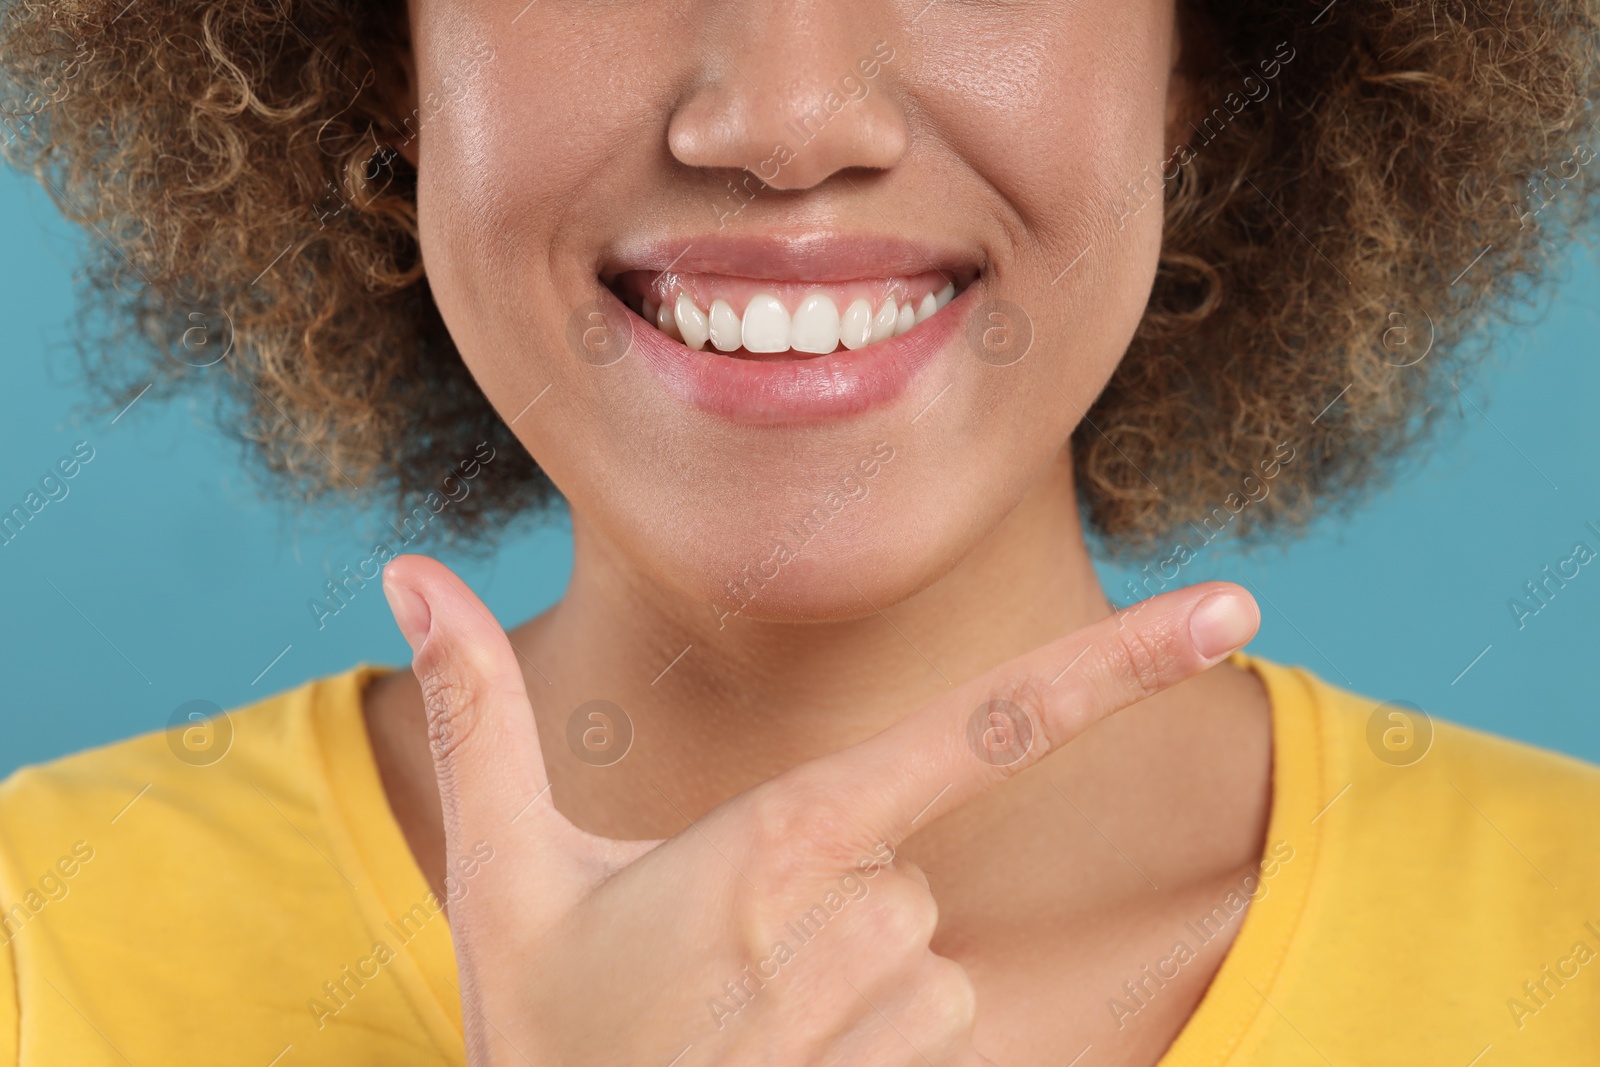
<point x="667" y="323"/>
<point x="946" y="294"/>
<point x="883" y="322"/>
<point x="815" y="327"/>
<point x="726" y="330"/>
<point x="692" y="322"/>
<point x="906" y="319"/>
<point x="648" y="310"/>
<point x="855" y="329"/>
<point x="766" y="324"/>
<point x="928" y="306"/>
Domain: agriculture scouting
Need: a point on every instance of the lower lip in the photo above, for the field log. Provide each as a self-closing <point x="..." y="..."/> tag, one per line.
<point x="779" y="391"/>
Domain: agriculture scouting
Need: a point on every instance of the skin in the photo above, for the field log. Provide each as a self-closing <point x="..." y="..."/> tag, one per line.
<point x="1005" y="131"/>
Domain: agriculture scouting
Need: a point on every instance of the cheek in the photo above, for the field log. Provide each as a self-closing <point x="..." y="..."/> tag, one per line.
<point x="470" y="233"/>
<point x="1062" y="111"/>
<point x="525" y="141"/>
<point x="1058" y="107"/>
<point x="513" y="170"/>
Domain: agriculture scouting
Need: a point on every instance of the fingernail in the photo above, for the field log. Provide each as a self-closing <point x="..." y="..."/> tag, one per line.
<point x="1221" y="623"/>
<point x="411" y="612"/>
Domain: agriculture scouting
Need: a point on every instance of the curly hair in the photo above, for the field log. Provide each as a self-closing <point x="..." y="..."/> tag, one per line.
<point x="1399" y="173"/>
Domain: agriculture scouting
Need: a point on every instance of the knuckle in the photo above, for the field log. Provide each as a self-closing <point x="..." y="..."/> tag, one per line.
<point x="924" y="916"/>
<point x="1020" y="725"/>
<point x="452" y="700"/>
<point x="450" y="716"/>
<point x="1137" y="662"/>
<point x="1026" y="693"/>
<point x="913" y="874"/>
<point x="905" y="917"/>
<point x="953" y="995"/>
<point x="797" y="826"/>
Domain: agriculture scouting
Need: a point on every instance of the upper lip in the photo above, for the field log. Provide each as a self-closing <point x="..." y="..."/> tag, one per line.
<point x="809" y="256"/>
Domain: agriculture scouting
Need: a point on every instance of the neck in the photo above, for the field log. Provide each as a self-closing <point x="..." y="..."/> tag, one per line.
<point x="718" y="705"/>
<point x="1180" y="781"/>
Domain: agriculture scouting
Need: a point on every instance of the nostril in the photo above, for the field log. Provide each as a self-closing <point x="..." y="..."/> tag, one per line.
<point x="793" y="128"/>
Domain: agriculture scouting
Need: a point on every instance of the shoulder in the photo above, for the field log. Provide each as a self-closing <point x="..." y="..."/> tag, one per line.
<point x="213" y="863"/>
<point x="234" y="789"/>
<point x="216" y="793"/>
<point x="267" y="743"/>
<point x="1396" y="793"/>
<point x="1436" y="866"/>
<point x="1400" y="754"/>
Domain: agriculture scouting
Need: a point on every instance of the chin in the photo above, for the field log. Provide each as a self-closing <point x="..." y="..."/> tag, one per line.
<point x="818" y="566"/>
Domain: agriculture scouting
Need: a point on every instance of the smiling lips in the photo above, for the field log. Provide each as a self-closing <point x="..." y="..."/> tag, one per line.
<point x="790" y="328"/>
<point x="757" y="319"/>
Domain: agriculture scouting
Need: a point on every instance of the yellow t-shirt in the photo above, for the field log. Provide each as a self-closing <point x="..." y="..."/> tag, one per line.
<point x="265" y="909"/>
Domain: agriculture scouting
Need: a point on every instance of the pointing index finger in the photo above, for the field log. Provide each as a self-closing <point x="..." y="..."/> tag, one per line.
<point x="967" y="741"/>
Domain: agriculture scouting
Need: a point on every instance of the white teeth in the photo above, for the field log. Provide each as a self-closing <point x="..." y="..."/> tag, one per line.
<point x="855" y="329"/>
<point x="667" y="323"/>
<point x="727" y="332"/>
<point x="883" y="322"/>
<point x="692" y="322"/>
<point x="905" y="321"/>
<point x="766" y="324"/>
<point x="815" y="328"/>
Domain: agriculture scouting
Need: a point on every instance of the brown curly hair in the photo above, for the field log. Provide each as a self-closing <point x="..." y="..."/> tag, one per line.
<point x="230" y="157"/>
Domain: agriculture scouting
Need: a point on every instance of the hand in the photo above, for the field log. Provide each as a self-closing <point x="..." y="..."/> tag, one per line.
<point x="779" y="929"/>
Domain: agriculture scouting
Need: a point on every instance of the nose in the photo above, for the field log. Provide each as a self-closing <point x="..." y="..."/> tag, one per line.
<point x="794" y="92"/>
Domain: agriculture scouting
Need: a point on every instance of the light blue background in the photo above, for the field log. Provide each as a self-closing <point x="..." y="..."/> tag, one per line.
<point x="163" y="577"/>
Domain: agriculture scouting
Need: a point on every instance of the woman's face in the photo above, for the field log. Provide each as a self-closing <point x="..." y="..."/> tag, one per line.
<point x="579" y="158"/>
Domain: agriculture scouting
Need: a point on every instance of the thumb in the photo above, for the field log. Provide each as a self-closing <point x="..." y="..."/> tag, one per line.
<point x="491" y="773"/>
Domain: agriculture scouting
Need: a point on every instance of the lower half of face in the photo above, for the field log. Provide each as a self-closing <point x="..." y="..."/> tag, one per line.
<point x="792" y="299"/>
